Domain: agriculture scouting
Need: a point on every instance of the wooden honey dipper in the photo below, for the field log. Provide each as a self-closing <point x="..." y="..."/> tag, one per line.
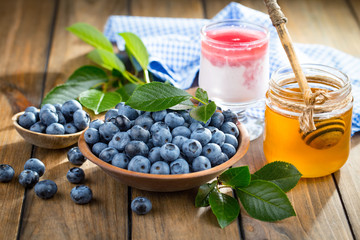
<point x="320" y="134"/>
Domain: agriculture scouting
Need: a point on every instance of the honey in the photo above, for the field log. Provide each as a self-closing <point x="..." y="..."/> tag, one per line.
<point x="316" y="153"/>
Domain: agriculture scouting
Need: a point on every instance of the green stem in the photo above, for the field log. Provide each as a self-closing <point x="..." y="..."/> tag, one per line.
<point x="199" y="100"/>
<point x="146" y="76"/>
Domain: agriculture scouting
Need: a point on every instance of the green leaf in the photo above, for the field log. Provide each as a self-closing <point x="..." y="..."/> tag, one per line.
<point x="187" y="104"/>
<point x="236" y="177"/>
<point x="136" y="48"/>
<point x="202" y="197"/>
<point x="91" y="35"/>
<point x="202" y="95"/>
<point x="106" y="59"/>
<point x="265" y="201"/>
<point x="225" y="208"/>
<point x="88" y="74"/>
<point x="127" y="90"/>
<point x="283" y="174"/>
<point x="204" y="112"/>
<point x="156" y="96"/>
<point x="99" y="101"/>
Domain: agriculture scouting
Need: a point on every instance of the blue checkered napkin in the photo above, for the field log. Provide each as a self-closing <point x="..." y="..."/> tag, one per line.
<point x="174" y="47"/>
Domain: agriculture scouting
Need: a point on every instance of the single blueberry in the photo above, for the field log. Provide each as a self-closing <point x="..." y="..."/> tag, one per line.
<point x="230" y="116"/>
<point x="154" y="154"/>
<point x="141" y="205"/>
<point x="6" y="173"/>
<point x="38" y="127"/>
<point x="230" y="128"/>
<point x="160" y="167"/>
<point x="169" y="152"/>
<point x="123" y="122"/>
<point x="217" y="119"/>
<point x="212" y="151"/>
<point x="231" y="139"/>
<point x="34" y="110"/>
<point x="48" y="117"/>
<point x="218" y="137"/>
<point x="179" y="141"/>
<point x="61" y="118"/>
<point x="47" y="106"/>
<point x="81" y="119"/>
<point x="192" y="148"/>
<point x="58" y="107"/>
<point x="161" y="137"/>
<point x="129" y="112"/>
<point x="179" y="166"/>
<point x="107" y="154"/>
<point x="75" y="175"/>
<point x="120" y="160"/>
<point x="203" y="135"/>
<point x="186" y="116"/>
<point x="92" y="136"/>
<point x="45" y="189"/>
<point x="119" y="105"/>
<point x="134" y="148"/>
<point x="119" y="141"/>
<point x="96" y="124"/>
<point x="81" y="194"/>
<point x="201" y="163"/>
<point x="36" y="165"/>
<point x="157" y="126"/>
<point x="139" y="164"/>
<point x="107" y="131"/>
<point x="55" y="129"/>
<point x="28" y="178"/>
<point x="75" y="156"/>
<point x="144" y="121"/>
<point x="195" y="126"/>
<point x="228" y="149"/>
<point x="220" y="160"/>
<point x="98" y="147"/>
<point x="70" y="128"/>
<point x="69" y="108"/>
<point x="112" y="113"/>
<point x="181" y="131"/>
<point x="139" y="133"/>
<point x="27" y="119"/>
<point x="174" y="119"/>
<point x="159" y="116"/>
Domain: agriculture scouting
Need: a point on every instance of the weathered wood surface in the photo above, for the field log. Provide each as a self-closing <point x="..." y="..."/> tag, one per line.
<point x="327" y="208"/>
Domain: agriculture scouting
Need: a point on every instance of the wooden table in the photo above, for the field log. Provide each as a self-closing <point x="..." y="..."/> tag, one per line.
<point x="37" y="54"/>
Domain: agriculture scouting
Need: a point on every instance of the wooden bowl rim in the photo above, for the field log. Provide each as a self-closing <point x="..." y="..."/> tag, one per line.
<point x="242" y="149"/>
<point x="16" y="124"/>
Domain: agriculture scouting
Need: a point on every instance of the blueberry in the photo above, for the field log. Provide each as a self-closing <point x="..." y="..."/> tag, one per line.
<point x="61" y="118"/>
<point x="231" y="128"/>
<point x="160" y="167"/>
<point x="98" y="147"/>
<point x="161" y="137"/>
<point x="217" y="119"/>
<point x="45" y="189"/>
<point x="75" y="175"/>
<point x="27" y="119"/>
<point x="96" y="124"/>
<point x="139" y="133"/>
<point x="55" y="129"/>
<point x="179" y="166"/>
<point x="75" y="156"/>
<point x="108" y="130"/>
<point x="92" y="136"/>
<point x="192" y="148"/>
<point x="141" y="205"/>
<point x="195" y="126"/>
<point x="70" y="128"/>
<point x="48" y="117"/>
<point x="38" y="127"/>
<point x="230" y="116"/>
<point x="6" y="173"/>
<point x="150" y="143"/>
<point x="81" y="194"/>
<point x="120" y="160"/>
<point x="201" y="163"/>
<point x="231" y="139"/>
<point x="119" y="105"/>
<point x="58" y="107"/>
<point x="69" y="108"/>
<point x="127" y="111"/>
<point x="174" y="119"/>
<point x="179" y="141"/>
<point x="212" y="151"/>
<point x="202" y="124"/>
<point x="119" y="141"/>
<point x="218" y="137"/>
<point x="28" y="178"/>
<point x="220" y="160"/>
<point x="181" y="131"/>
<point x="112" y="113"/>
<point x="47" y="106"/>
<point x="203" y="135"/>
<point x="159" y="116"/>
<point x="154" y="154"/>
<point x="139" y="164"/>
<point x="144" y="121"/>
<point x="123" y="122"/>
<point x="157" y="126"/>
<point x="35" y="165"/>
<point x="81" y="119"/>
<point x="228" y="149"/>
<point x="107" y="154"/>
<point x="134" y="148"/>
<point x="169" y="152"/>
<point x="186" y="116"/>
<point x="34" y="110"/>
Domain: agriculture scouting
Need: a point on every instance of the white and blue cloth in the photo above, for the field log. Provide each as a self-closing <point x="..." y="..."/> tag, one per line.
<point x="174" y="48"/>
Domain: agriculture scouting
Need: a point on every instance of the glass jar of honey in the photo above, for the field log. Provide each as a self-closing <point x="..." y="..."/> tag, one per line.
<point x="325" y="149"/>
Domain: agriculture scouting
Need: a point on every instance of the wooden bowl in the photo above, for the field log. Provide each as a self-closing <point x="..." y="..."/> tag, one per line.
<point x="45" y="140"/>
<point x="166" y="183"/>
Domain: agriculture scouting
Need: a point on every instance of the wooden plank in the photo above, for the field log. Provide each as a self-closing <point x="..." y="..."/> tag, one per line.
<point x="355" y="5"/>
<point x="60" y="218"/>
<point x="24" y="37"/>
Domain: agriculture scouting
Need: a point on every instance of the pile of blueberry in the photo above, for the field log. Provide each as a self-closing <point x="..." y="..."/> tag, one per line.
<point x="164" y="142"/>
<point x="56" y="119"/>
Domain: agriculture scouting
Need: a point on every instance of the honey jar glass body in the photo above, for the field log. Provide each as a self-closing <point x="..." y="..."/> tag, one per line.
<point x="319" y="152"/>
